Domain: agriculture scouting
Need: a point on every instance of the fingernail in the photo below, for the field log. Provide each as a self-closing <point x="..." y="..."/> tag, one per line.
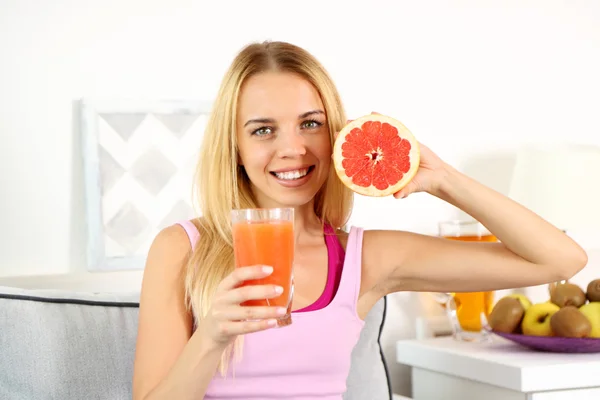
<point x="281" y="310"/>
<point x="272" y="322"/>
<point x="267" y="270"/>
<point x="278" y="289"/>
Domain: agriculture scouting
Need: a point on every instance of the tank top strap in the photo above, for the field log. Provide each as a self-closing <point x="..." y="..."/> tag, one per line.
<point x="191" y="231"/>
<point x="350" y="281"/>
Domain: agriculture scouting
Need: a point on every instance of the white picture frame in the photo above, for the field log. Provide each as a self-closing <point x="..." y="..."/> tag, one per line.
<point x="129" y="197"/>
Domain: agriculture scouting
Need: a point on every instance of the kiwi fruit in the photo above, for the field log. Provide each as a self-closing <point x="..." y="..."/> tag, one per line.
<point x="593" y="290"/>
<point x="506" y="315"/>
<point x="570" y="322"/>
<point x="568" y="294"/>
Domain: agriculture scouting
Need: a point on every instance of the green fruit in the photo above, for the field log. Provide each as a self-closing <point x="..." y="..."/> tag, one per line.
<point x="570" y="322"/>
<point x="536" y="321"/>
<point x="592" y="313"/>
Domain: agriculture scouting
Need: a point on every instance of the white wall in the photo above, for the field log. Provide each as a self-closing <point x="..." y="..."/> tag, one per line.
<point x="472" y="79"/>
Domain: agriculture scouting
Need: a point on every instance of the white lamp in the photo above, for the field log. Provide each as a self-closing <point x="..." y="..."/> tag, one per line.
<point x="561" y="183"/>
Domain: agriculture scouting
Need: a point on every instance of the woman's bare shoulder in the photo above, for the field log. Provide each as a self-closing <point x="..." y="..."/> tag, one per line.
<point x="171" y="243"/>
<point x="165" y="322"/>
<point x="175" y="240"/>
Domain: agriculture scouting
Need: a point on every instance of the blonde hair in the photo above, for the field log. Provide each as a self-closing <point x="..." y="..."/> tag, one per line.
<point x="222" y="185"/>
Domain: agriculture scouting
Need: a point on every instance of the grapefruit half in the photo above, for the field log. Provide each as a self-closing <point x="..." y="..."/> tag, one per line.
<point x="376" y="155"/>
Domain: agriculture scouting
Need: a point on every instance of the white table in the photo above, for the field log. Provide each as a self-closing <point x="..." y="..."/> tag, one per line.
<point x="446" y="369"/>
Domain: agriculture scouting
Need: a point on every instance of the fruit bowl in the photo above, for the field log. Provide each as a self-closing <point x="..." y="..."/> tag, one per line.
<point x="555" y="344"/>
<point x="568" y="322"/>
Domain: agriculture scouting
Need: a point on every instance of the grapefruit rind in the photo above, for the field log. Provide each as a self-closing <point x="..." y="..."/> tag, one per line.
<point x="372" y="191"/>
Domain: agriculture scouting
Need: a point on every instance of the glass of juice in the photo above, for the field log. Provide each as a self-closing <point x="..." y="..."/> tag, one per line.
<point x="468" y="311"/>
<point x="265" y="236"/>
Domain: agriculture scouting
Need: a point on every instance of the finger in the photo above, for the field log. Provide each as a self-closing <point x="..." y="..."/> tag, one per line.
<point x="243" y="327"/>
<point x="400" y="195"/>
<point x="252" y="292"/>
<point x="241" y="274"/>
<point x="406" y="191"/>
<point x="240" y="313"/>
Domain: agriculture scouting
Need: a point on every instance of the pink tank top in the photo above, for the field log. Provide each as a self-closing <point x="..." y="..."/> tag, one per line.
<point x="310" y="358"/>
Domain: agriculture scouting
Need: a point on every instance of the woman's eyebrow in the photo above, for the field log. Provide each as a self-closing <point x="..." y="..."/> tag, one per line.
<point x="271" y="120"/>
<point x="306" y="114"/>
<point x="259" y="121"/>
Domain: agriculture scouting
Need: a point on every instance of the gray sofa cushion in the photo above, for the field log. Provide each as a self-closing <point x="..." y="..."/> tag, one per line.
<point x="66" y="346"/>
<point x="368" y="377"/>
<point x="71" y="346"/>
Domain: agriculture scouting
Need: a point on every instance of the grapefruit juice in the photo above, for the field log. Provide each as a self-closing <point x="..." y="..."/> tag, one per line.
<point x="266" y="237"/>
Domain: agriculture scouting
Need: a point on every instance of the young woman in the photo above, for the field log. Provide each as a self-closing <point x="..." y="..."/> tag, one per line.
<point x="268" y="143"/>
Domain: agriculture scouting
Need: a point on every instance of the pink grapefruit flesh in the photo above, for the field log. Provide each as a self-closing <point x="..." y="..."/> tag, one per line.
<point x="376" y="155"/>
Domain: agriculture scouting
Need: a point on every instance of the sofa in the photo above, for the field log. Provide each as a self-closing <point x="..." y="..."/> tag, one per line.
<point x="68" y="345"/>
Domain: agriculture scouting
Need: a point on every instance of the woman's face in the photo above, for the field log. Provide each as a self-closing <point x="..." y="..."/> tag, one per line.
<point x="283" y="139"/>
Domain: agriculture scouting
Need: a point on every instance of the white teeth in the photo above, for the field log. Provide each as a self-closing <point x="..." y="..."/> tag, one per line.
<point x="291" y="175"/>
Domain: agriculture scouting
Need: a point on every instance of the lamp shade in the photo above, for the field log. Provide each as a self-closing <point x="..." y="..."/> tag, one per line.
<point x="561" y="183"/>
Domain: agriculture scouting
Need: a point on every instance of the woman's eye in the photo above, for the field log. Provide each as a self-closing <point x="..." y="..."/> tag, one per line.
<point x="265" y="130"/>
<point x="311" y="124"/>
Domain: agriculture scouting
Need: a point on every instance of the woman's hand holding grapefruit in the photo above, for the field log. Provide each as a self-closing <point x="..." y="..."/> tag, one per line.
<point x="428" y="177"/>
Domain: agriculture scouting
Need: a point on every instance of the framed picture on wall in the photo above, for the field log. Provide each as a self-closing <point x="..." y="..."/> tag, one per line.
<point x="139" y="159"/>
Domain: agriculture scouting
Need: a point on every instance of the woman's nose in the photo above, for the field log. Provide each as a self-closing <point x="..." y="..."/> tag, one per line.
<point x="292" y="144"/>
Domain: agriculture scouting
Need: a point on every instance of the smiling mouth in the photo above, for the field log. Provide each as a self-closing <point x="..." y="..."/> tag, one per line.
<point x="293" y="175"/>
